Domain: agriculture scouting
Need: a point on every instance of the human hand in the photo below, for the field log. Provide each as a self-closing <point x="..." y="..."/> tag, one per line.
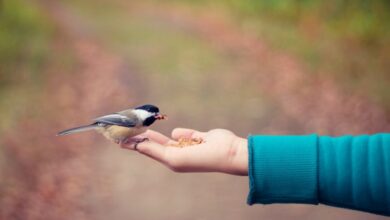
<point x="220" y="151"/>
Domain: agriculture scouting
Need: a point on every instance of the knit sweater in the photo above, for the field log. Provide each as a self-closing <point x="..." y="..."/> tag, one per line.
<point x="348" y="171"/>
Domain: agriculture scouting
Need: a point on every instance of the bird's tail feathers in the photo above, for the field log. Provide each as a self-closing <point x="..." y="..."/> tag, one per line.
<point x="77" y="129"/>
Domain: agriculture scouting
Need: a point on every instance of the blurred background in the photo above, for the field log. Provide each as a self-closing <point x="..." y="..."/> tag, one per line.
<point x="272" y="67"/>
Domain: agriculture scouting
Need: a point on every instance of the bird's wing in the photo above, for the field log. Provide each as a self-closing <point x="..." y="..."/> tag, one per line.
<point x="117" y="119"/>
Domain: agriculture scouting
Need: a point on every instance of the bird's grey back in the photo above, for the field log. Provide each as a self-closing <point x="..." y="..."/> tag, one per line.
<point x="124" y="118"/>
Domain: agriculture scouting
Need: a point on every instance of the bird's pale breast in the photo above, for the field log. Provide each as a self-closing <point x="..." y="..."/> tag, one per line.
<point x="119" y="133"/>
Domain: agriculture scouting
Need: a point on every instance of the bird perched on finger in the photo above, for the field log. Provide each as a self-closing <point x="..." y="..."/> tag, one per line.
<point x="121" y="126"/>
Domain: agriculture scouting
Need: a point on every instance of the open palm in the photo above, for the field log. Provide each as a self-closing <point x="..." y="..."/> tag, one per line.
<point x="220" y="151"/>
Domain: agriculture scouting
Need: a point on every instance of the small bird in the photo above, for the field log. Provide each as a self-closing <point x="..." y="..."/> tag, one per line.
<point x="121" y="126"/>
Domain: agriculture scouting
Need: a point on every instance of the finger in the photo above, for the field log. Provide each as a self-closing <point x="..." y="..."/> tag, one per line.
<point x="189" y="159"/>
<point x="131" y="143"/>
<point x="156" y="137"/>
<point x="186" y="133"/>
<point x="153" y="150"/>
<point x="175" y="158"/>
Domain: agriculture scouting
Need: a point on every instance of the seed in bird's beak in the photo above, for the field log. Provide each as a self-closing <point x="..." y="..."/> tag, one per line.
<point x="161" y="117"/>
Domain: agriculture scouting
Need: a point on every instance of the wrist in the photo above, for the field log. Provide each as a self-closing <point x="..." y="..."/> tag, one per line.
<point x="240" y="160"/>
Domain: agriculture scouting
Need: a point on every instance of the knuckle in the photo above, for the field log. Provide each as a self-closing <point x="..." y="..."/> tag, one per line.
<point x="177" y="169"/>
<point x="175" y="164"/>
<point x="142" y="149"/>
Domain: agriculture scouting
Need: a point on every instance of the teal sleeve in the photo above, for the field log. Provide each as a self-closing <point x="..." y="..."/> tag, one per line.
<point x="347" y="171"/>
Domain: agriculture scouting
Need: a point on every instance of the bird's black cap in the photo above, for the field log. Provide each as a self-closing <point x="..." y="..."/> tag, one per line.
<point x="149" y="108"/>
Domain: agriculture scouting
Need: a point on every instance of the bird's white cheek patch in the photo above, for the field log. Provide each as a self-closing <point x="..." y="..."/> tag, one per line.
<point x="142" y="114"/>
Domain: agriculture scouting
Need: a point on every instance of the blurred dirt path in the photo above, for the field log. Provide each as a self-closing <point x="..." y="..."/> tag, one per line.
<point x="310" y="102"/>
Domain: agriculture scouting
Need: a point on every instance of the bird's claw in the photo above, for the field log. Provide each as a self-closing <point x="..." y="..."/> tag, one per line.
<point x="132" y="142"/>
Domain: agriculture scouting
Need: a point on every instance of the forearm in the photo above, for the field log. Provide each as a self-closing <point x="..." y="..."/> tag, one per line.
<point x="354" y="172"/>
<point x="347" y="171"/>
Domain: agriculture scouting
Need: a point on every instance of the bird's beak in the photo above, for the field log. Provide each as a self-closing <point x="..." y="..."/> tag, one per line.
<point x="160" y="117"/>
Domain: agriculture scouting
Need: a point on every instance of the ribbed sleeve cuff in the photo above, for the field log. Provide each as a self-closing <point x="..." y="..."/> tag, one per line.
<point x="283" y="169"/>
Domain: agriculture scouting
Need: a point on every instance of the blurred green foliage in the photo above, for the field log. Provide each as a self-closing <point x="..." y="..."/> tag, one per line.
<point x="24" y="47"/>
<point x="368" y="21"/>
<point x="24" y="34"/>
<point x="348" y="39"/>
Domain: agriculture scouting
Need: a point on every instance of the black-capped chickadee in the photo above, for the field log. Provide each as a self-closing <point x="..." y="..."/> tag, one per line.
<point x="119" y="127"/>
